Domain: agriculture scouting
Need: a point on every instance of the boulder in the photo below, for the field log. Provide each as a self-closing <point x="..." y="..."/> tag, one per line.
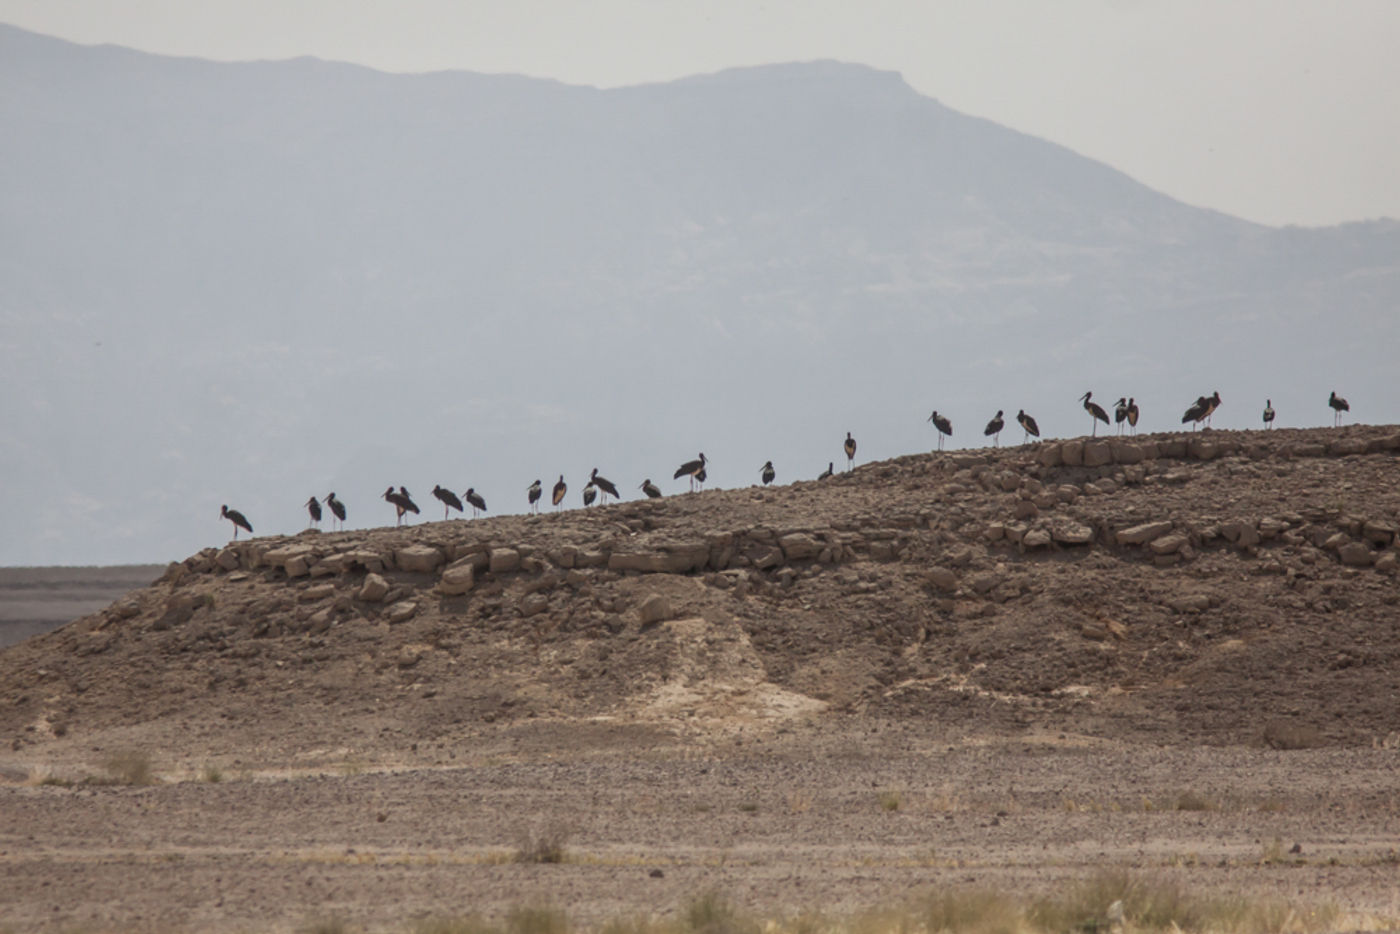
<point x="227" y="559"/>
<point x="1097" y="453"/>
<point x="1356" y="554"/>
<point x="374" y="588"/>
<point x="647" y="562"/>
<point x="1346" y="446"/>
<point x="420" y="559"/>
<point x="504" y="560"/>
<point x="1202" y="449"/>
<point x="1386" y="562"/>
<point x="457" y="579"/>
<point x="1126" y="453"/>
<point x="1240" y="532"/>
<point x="533" y="604"/>
<point x="1378" y="532"/>
<point x="1072" y="453"/>
<point x="687" y="557"/>
<point x="1025" y="509"/>
<point x="1142" y="534"/>
<point x="984" y="581"/>
<point x="1049" y="456"/>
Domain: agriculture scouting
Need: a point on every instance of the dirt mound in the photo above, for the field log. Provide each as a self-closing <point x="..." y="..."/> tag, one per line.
<point x="1226" y="587"/>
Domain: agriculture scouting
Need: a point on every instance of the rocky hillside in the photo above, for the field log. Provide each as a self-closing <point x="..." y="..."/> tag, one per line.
<point x="1222" y="587"/>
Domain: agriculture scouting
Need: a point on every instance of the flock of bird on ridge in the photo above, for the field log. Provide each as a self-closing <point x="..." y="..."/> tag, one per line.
<point x="1125" y="413"/>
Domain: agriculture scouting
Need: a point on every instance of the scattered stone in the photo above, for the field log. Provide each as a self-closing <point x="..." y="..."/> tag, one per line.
<point x="1168" y="544"/>
<point x="654" y="609"/>
<point x="227" y="559"/>
<point x="401" y="612"/>
<point x="1072" y="533"/>
<point x="1356" y="554"/>
<point x="1241" y="533"/>
<point x="319" y="592"/>
<point x="1097" y="453"/>
<point x="1036" y="538"/>
<point x="533" y="604"/>
<point x="1025" y="509"/>
<point x="1190" y="603"/>
<point x="799" y="546"/>
<point x="374" y="588"/>
<point x="1386" y="562"/>
<point x="1142" y="534"/>
<point x="943" y="579"/>
<point x="421" y="559"/>
<point x="1072" y="453"/>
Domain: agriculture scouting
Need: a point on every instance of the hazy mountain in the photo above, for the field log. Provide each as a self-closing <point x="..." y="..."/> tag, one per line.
<point x="248" y="283"/>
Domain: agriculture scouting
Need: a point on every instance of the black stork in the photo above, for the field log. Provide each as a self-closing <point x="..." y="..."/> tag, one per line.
<point x="1268" y="413"/>
<point x="1028" y="424"/>
<point x="1095" y="411"/>
<point x="402" y="502"/>
<point x="944" y="426"/>
<point x="1339" y="405"/>
<point x="313" y="506"/>
<point x="830" y="469"/>
<point x="1120" y="413"/>
<point x="1132" y="414"/>
<point x="701" y="477"/>
<point x="477" y="503"/>
<point x="767" y="473"/>
<point x="993" y="429"/>
<point x="1212" y="403"/>
<point x="557" y="495"/>
<point x="605" y="486"/>
<point x="449" y="499"/>
<point x="1196" y="412"/>
<point x="237" y="518"/>
<point x="337" y="508"/>
<point x="850" y="447"/>
<point x="690" y="469"/>
<point x="533" y="495"/>
<point x="650" y="489"/>
<point x="590" y="493"/>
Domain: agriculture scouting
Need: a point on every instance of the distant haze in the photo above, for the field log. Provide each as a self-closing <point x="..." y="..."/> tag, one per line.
<point x="1278" y="111"/>
<point x="251" y="283"/>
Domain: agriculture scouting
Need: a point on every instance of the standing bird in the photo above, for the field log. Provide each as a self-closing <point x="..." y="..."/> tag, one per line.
<point x="237" y="518"/>
<point x="1268" y="413"/>
<point x="449" y="499"/>
<point x="337" y="508"/>
<point x="1212" y="403"/>
<point x="1132" y="414"/>
<point x="403" y="503"/>
<point x="701" y="477"/>
<point x="993" y="429"/>
<point x="768" y="473"/>
<point x="650" y="489"/>
<point x="1096" y="412"/>
<point x="560" y="489"/>
<point x="830" y="469"/>
<point x="850" y="452"/>
<point x="1339" y="405"/>
<point x="590" y="493"/>
<point x="944" y="426"/>
<point x="313" y="506"/>
<point x="690" y="469"/>
<point x="1029" y="424"/>
<point x="477" y="503"/>
<point x="1120" y="413"/>
<point x="1196" y="412"/>
<point x="533" y="494"/>
<point x="604" y="485"/>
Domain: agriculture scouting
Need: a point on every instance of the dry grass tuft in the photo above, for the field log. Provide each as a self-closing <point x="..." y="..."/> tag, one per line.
<point x="544" y="844"/>
<point x="130" y="767"/>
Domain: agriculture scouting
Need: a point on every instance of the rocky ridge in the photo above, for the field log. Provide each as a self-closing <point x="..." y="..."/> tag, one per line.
<point x="1228" y="587"/>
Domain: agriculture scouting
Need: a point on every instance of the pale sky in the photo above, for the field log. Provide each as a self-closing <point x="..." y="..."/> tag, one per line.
<point x="1279" y="111"/>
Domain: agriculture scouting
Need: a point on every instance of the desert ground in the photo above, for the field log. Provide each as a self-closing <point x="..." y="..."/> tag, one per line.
<point x="1002" y="671"/>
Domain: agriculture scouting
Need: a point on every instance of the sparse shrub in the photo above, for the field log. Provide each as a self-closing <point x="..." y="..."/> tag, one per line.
<point x="326" y="926"/>
<point x="543" y="845"/>
<point x="1194" y="801"/>
<point x="1284" y="734"/>
<point x="130" y="767"/>
<point x="891" y="800"/>
<point x="1156" y="904"/>
<point x="212" y="774"/>
<point x="749" y="807"/>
